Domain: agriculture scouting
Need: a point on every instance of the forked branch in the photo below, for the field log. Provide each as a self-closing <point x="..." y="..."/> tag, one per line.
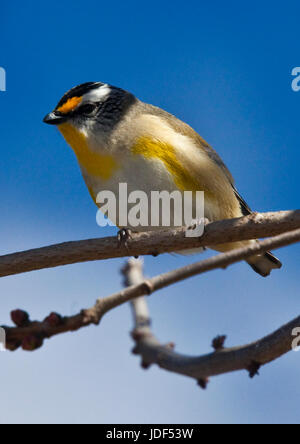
<point x="224" y="360"/>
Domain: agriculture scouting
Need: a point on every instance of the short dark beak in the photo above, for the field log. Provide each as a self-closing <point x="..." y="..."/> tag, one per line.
<point x="54" y="119"/>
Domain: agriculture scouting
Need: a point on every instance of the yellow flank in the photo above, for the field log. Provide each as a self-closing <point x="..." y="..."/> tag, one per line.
<point x="96" y="164"/>
<point x="152" y="148"/>
<point x="70" y="105"/>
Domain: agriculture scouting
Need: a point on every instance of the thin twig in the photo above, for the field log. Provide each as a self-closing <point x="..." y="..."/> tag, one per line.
<point x="257" y="225"/>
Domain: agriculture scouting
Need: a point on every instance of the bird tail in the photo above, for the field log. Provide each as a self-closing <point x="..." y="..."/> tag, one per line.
<point x="263" y="264"/>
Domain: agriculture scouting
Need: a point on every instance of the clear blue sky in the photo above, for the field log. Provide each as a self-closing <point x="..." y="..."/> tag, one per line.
<point x="225" y="68"/>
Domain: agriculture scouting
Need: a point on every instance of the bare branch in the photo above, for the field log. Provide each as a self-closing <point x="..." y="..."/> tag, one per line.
<point x="257" y="225"/>
<point x="248" y="357"/>
<point x="54" y="325"/>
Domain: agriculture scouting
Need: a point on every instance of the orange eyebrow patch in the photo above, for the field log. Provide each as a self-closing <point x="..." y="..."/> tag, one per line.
<point x="70" y="105"/>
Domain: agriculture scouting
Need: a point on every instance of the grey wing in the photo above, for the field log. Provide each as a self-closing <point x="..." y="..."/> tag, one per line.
<point x="246" y="210"/>
<point x="186" y="130"/>
<point x="217" y="159"/>
<point x="183" y="128"/>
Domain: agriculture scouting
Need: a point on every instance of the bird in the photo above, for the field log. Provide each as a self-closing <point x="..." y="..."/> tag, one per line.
<point x="117" y="139"/>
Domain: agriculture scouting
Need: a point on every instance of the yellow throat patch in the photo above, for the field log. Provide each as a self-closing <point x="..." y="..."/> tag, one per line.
<point x="96" y="164"/>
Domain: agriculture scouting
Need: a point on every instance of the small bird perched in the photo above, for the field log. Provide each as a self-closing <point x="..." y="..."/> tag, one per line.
<point x="119" y="139"/>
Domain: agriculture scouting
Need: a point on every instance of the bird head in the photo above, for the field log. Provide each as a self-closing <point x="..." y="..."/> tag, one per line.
<point x="90" y="106"/>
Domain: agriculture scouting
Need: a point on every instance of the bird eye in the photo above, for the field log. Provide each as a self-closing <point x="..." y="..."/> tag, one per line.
<point x="87" y="109"/>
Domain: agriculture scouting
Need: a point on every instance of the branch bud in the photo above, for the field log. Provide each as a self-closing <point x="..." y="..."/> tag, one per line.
<point x="20" y="318"/>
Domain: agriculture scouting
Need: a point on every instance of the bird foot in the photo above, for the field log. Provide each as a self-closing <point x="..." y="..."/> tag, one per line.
<point x="123" y="236"/>
<point x="196" y="229"/>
